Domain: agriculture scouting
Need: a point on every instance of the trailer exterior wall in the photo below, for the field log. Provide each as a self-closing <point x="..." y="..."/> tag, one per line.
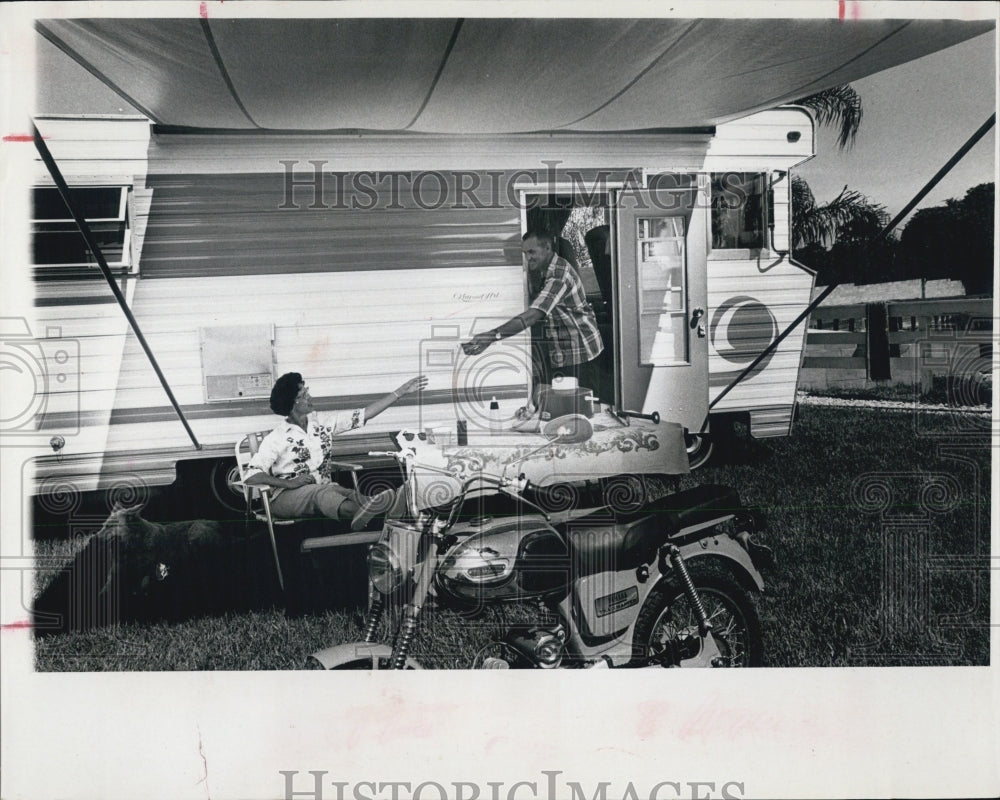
<point x="753" y="296"/>
<point x="216" y="246"/>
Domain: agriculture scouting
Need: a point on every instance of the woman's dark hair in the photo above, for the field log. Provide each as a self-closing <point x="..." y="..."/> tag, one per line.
<point x="284" y="392"/>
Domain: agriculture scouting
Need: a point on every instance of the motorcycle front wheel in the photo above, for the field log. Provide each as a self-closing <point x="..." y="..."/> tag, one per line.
<point x="356" y="655"/>
<point x="666" y="631"/>
<point x="365" y="663"/>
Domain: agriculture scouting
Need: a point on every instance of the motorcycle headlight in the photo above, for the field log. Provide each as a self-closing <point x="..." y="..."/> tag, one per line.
<point x="383" y="568"/>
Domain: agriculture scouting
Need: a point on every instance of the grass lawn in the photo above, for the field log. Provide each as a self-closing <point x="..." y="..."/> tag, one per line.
<point x="944" y="390"/>
<point x="879" y="522"/>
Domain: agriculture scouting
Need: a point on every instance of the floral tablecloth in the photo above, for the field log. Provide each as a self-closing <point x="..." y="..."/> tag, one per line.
<point x="642" y="448"/>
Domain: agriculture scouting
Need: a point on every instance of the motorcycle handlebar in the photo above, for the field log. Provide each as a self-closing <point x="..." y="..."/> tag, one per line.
<point x="482" y="476"/>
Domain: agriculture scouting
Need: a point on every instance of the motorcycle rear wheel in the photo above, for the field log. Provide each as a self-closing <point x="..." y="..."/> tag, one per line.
<point x="667" y="628"/>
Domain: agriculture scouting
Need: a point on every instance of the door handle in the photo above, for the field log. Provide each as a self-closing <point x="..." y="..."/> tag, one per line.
<point x="696" y="315"/>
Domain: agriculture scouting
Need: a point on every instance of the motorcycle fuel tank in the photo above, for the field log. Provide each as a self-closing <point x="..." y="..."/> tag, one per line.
<point x="505" y="559"/>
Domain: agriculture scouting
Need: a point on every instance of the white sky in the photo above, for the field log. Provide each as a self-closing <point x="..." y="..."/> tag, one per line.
<point x="915" y="117"/>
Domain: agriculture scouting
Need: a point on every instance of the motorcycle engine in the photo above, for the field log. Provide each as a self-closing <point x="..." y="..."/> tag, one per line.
<point x="525" y="647"/>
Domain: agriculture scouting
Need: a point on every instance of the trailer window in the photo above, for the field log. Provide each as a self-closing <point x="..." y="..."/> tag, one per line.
<point x="662" y="295"/>
<point x="58" y="247"/>
<point x="738" y="211"/>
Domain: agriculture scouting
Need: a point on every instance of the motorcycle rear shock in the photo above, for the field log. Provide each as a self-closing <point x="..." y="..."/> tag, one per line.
<point x="704" y="626"/>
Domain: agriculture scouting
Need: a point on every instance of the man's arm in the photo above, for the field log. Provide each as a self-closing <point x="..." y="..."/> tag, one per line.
<point x="511" y="327"/>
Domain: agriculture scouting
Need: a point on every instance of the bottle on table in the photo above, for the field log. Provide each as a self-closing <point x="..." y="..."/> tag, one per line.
<point x="495" y="422"/>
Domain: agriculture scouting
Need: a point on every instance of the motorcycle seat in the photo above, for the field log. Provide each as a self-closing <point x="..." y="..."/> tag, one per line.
<point x="684" y="509"/>
<point x="628" y="539"/>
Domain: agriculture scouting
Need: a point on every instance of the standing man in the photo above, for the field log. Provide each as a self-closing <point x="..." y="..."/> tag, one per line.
<point x="571" y="335"/>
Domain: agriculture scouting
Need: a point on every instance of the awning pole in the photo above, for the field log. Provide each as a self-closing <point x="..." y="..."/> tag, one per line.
<point x="965" y="148"/>
<point x="88" y="235"/>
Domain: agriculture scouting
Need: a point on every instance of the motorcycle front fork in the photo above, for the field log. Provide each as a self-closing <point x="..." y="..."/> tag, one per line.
<point x="405" y="634"/>
<point x="375" y="611"/>
<point x="408" y="629"/>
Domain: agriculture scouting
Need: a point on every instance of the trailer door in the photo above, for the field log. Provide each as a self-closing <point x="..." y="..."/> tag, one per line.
<point x="661" y="295"/>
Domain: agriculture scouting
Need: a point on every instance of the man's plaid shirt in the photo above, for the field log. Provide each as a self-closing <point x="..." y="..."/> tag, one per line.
<point x="570" y="325"/>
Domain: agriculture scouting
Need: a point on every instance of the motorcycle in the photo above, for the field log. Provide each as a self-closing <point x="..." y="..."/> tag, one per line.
<point x="659" y="584"/>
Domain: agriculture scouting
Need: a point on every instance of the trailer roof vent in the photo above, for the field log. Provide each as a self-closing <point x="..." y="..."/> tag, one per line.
<point x="237" y="362"/>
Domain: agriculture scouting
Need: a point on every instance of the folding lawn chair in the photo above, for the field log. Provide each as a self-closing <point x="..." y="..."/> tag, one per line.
<point x="258" y="504"/>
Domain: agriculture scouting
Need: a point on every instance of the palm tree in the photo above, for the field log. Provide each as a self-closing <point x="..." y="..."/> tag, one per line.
<point x="839" y="105"/>
<point x="819" y="224"/>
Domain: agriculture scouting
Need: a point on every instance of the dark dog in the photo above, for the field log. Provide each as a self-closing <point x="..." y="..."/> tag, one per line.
<point x="135" y="570"/>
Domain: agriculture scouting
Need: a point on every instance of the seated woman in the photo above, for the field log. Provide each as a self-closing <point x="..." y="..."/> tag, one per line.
<point x="293" y="457"/>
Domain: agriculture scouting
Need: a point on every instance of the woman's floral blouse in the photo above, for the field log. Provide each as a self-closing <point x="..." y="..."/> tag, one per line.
<point x="288" y="450"/>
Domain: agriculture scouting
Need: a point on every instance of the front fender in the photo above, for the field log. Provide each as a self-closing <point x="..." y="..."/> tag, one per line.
<point x="375" y="654"/>
<point x="724" y="547"/>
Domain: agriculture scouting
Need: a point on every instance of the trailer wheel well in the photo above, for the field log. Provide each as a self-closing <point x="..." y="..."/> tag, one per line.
<point x="224" y="472"/>
<point x="699" y="448"/>
<point x="202" y="490"/>
<point x="723" y="434"/>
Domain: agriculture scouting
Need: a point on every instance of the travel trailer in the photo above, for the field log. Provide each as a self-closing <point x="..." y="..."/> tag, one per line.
<point x="357" y="232"/>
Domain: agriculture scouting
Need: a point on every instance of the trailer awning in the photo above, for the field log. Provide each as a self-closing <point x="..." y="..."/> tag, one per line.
<point x="482" y="76"/>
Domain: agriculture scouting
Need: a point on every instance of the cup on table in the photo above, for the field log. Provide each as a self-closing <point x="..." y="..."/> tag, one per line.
<point x="441" y="435"/>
